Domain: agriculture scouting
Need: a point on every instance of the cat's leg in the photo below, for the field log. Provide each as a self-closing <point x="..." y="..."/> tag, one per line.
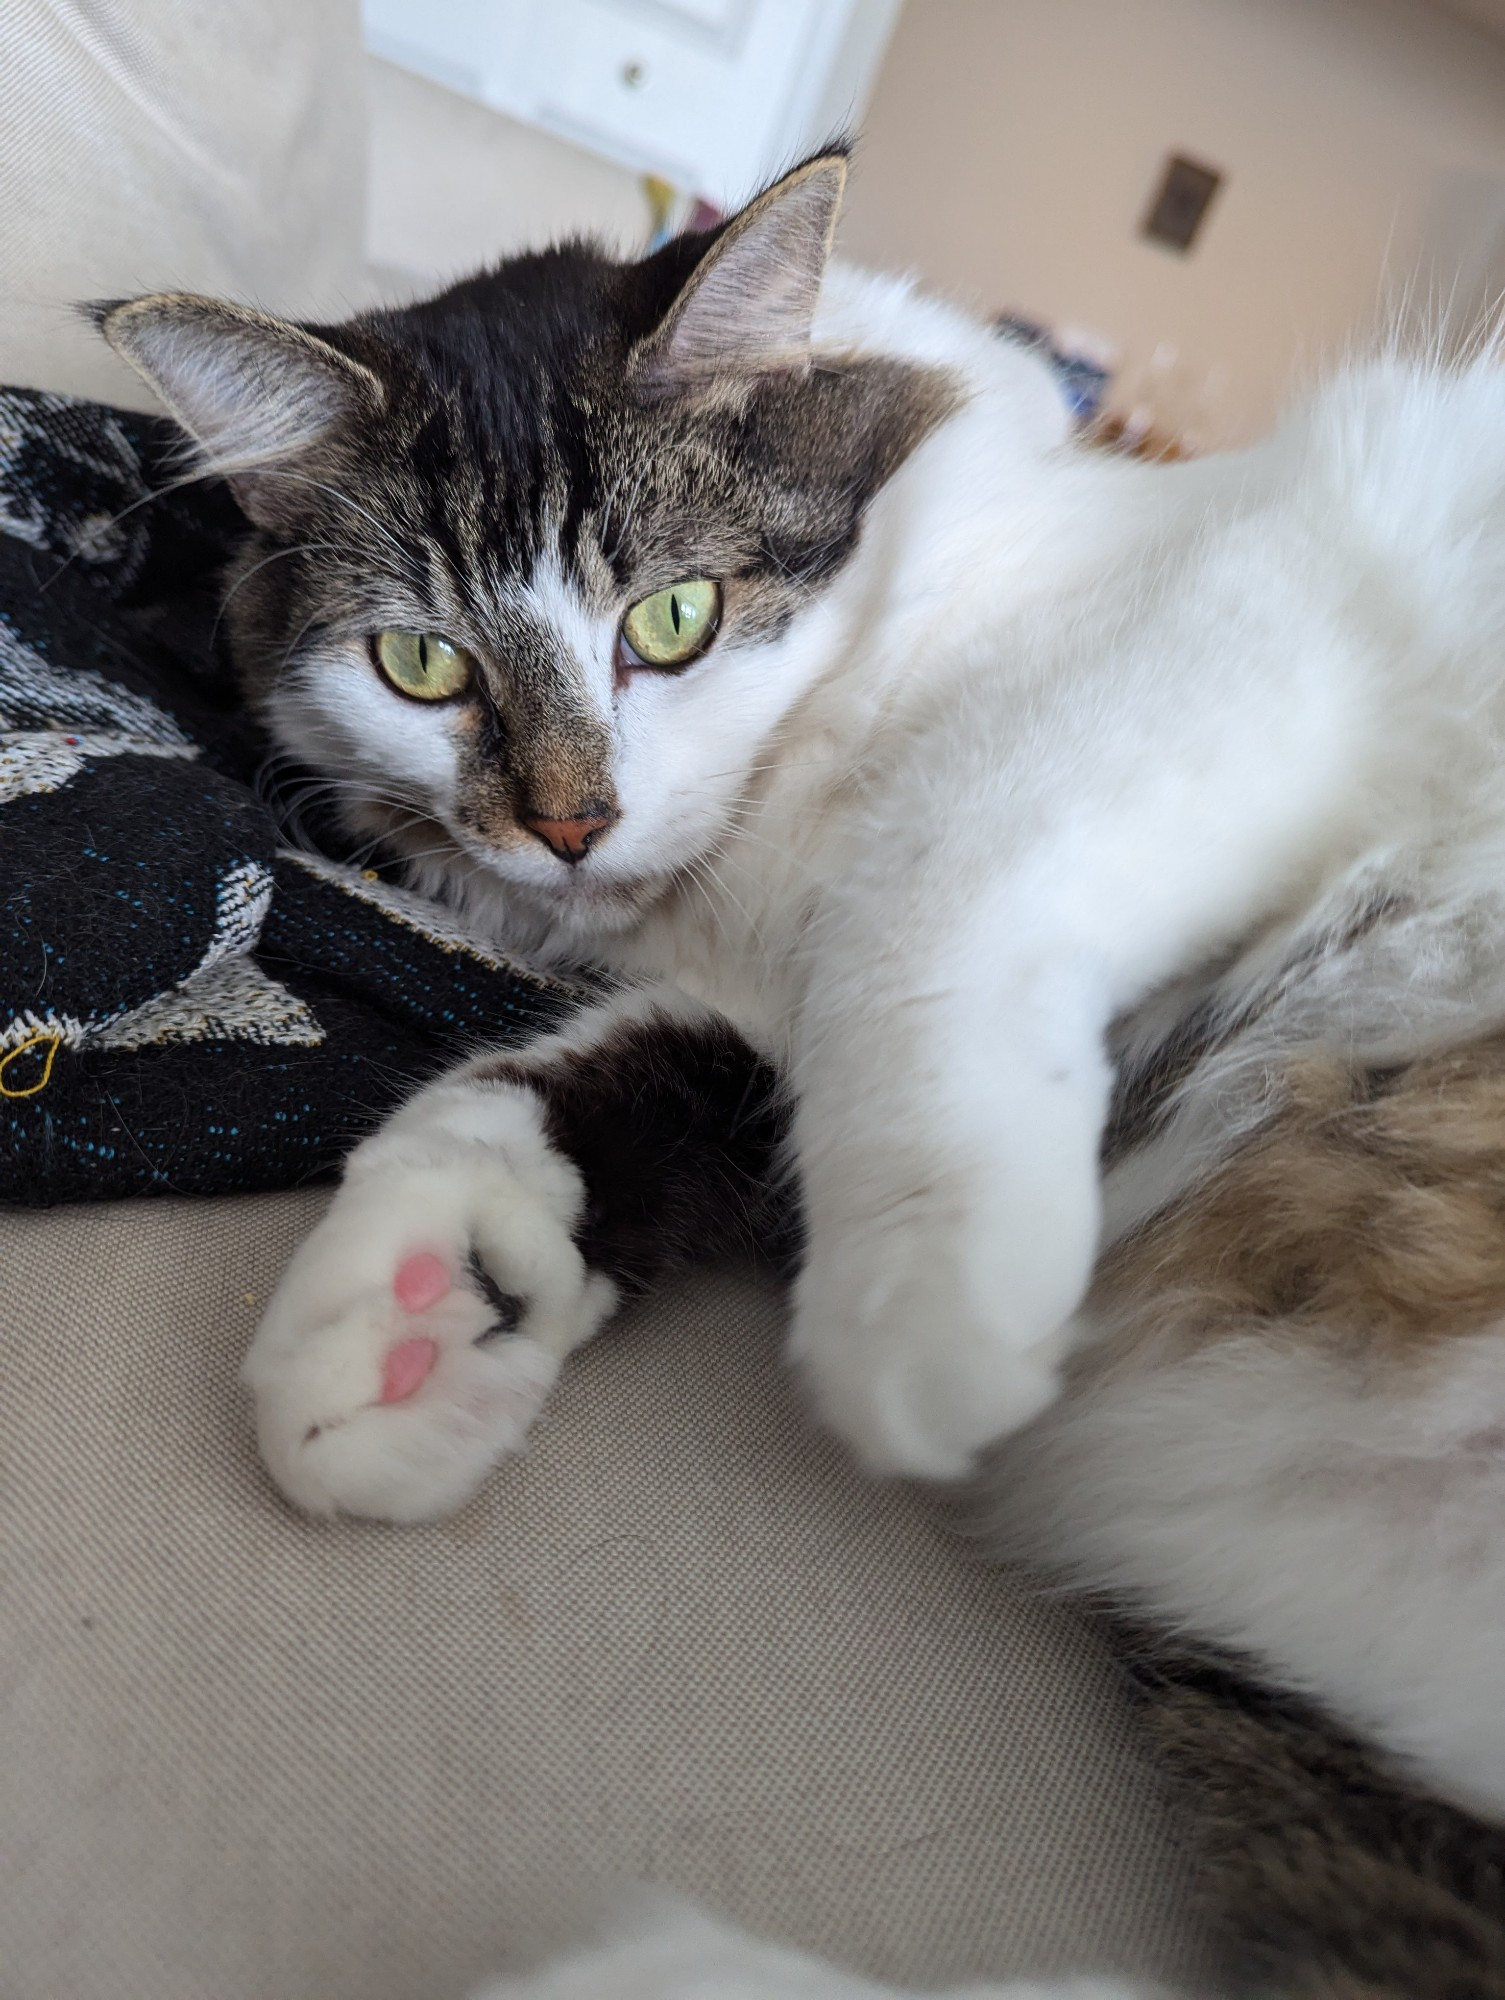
<point x="951" y="1101"/>
<point x="487" y="1230"/>
<point x="676" y="1952"/>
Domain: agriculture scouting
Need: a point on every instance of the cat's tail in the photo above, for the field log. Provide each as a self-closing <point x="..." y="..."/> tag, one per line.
<point x="1327" y="1874"/>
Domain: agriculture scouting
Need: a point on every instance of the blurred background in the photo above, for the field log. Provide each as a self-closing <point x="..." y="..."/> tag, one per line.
<point x="1011" y="152"/>
<point x="1196" y="202"/>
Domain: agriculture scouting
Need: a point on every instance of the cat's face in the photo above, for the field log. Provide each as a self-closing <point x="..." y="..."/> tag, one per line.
<point x="540" y="564"/>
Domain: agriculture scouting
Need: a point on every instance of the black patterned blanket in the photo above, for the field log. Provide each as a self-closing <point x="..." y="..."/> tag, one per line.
<point x="187" y="1004"/>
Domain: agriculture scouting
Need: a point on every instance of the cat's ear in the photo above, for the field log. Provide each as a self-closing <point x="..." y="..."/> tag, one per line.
<point x="748" y="306"/>
<point x="255" y="393"/>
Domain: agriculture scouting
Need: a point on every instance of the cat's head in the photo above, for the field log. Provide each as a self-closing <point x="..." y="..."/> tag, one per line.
<point x="539" y="564"/>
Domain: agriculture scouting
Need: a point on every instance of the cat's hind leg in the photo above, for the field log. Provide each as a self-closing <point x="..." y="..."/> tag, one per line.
<point x="485" y="1232"/>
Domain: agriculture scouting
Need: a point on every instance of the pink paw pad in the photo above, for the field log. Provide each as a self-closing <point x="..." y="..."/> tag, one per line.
<point x="421" y="1281"/>
<point x="406" y="1368"/>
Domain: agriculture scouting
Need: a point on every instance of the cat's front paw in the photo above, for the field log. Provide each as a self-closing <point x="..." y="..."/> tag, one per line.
<point x="416" y="1332"/>
<point x="925" y="1342"/>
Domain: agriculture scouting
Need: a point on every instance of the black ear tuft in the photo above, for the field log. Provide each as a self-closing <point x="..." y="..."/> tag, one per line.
<point x="749" y="304"/>
<point x="97" y="311"/>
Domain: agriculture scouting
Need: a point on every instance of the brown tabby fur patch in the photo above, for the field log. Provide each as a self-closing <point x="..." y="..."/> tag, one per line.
<point x="1370" y="1207"/>
<point x="1327" y="1875"/>
<point x="1369" y="1210"/>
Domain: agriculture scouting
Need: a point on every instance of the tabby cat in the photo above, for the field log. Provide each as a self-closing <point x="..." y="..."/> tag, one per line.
<point x="1084" y="880"/>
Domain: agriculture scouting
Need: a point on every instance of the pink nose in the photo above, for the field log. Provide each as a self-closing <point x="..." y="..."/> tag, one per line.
<point x="406" y="1369"/>
<point x="570" y="838"/>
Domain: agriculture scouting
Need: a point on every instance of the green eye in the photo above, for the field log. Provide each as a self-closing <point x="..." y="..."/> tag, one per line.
<point x="422" y="664"/>
<point x="673" y="626"/>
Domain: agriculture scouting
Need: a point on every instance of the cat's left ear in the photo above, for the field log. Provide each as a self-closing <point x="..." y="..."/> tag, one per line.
<point x="257" y="394"/>
<point x="749" y="304"/>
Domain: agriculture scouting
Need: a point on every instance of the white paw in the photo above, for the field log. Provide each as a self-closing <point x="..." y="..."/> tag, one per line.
<point x="925" y="1341"/>
<point x="416" y="1332"/>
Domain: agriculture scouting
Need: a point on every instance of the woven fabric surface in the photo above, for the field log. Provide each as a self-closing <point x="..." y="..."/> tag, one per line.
<point x="186" y="1005"/>
<point x="263" y="1758"/>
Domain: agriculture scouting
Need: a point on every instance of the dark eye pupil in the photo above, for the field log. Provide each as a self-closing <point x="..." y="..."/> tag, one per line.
<point x="674" y="609"/>
<point x="423" y="654"/>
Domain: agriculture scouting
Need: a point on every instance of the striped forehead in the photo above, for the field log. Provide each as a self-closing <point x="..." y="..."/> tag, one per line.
<point x="493" y="521"/>
<point x="549" y="621"/>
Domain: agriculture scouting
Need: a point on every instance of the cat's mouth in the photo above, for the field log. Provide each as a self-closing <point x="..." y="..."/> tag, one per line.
<point x="580" y="891"/>
<point x="585" y="895"/>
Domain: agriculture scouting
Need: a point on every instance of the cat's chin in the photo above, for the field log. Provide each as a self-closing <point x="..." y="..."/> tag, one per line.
<point x="601" y="905"/>
<point x="563" y="920"/>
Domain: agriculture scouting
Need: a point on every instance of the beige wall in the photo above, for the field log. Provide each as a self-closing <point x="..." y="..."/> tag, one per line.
<point x="1009" y="153"/>
<point x="1012" y="145"/>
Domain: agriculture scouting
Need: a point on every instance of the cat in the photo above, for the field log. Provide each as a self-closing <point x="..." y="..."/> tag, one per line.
<point x="1081" y="883"/>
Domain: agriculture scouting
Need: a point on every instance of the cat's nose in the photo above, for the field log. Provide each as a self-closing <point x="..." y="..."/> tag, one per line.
<point x="570" y="838"/>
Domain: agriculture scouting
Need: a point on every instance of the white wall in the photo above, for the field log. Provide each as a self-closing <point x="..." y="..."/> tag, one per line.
<point x="453" y="185"/>
<point x="1012" y="145"/>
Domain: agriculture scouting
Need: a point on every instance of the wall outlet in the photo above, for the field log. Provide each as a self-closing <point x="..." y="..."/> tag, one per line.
<point x="1181" y="202"/>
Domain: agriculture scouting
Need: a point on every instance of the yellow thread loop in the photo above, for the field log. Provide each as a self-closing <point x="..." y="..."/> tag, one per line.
<point x="47" y="1038"/>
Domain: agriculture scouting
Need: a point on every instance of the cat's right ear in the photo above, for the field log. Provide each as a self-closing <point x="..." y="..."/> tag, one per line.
<point x="257" y="394"/>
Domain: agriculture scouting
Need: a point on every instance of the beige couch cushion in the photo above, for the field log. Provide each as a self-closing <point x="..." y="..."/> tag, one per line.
<point x="252" y="1757"/>
<point x="191" y="145"/>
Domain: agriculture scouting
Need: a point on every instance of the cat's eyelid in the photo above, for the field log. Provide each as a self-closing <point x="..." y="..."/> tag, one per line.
<point x="659" y="579"/>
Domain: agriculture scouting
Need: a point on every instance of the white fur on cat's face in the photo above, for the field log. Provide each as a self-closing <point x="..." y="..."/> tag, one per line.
<point x="509" y="468"/>
<point x="683" y="747"/>
<point x="686" y="747"/>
